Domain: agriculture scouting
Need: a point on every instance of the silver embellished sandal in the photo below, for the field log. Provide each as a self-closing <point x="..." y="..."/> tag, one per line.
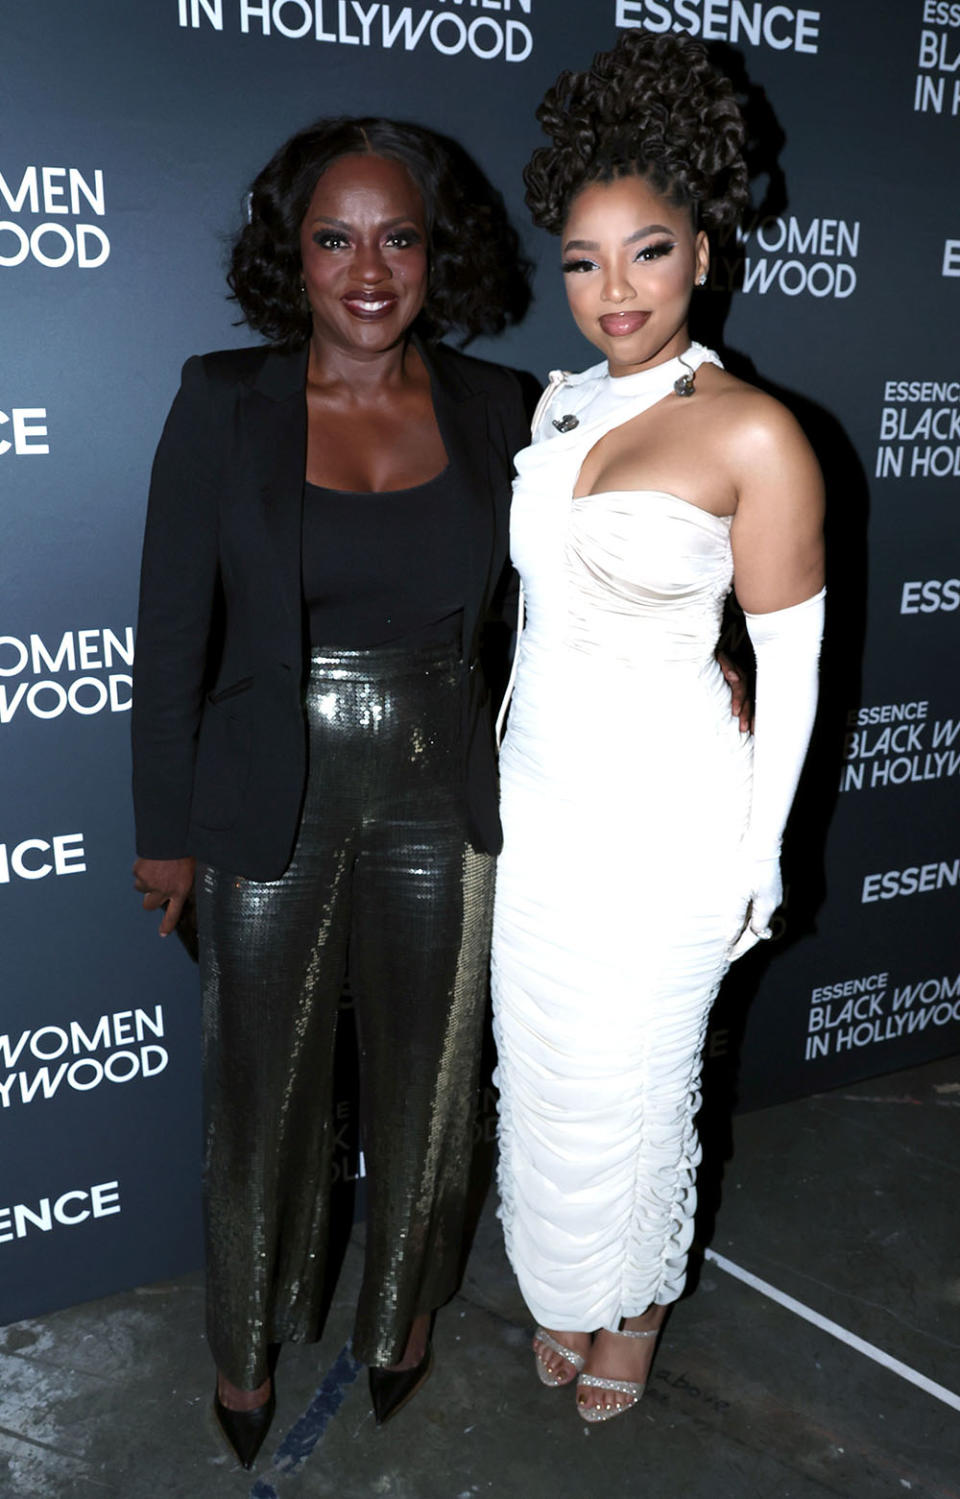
<point x="630" y="1387"/>
<point x="546" y="1375"/>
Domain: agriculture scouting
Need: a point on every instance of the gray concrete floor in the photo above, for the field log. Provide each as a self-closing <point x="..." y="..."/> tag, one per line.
<point x="847" y="1202"/>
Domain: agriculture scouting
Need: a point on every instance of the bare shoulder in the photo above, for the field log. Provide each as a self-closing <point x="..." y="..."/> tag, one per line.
<point x="752" y="428"/>
<point x="749" y="415"/>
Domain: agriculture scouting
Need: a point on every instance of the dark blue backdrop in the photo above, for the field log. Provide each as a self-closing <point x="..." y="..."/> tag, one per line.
<point x="127" y="139"/>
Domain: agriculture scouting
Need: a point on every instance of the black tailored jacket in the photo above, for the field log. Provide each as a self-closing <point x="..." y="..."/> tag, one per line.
<point x="218" y="725"/>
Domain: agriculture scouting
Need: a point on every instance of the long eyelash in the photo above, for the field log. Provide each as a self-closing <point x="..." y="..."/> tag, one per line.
<point x="649" y="252"/>
<point x="657" y="251"/>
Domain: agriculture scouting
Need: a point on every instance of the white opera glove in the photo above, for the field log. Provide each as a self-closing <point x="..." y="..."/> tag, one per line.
<point x="786" y="643"/>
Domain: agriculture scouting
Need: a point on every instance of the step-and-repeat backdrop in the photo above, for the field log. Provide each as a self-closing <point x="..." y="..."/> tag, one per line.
<point x="128" y="136"/>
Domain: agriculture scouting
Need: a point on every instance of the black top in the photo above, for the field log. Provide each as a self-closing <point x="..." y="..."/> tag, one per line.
<point x="219" y="739"/>
<point x="385" y="567"/>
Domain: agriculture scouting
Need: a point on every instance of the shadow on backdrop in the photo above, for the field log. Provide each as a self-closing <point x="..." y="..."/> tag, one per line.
<point x="847" y="515"/>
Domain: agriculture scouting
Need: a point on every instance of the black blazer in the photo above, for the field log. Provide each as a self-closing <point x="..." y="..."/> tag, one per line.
<point x="219" y="734"/>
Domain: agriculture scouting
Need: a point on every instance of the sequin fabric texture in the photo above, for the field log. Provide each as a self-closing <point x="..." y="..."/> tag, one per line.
<point x="382" y="867"/>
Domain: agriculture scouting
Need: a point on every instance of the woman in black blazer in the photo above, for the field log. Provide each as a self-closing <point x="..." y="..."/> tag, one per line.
<point x="320" y="651"/>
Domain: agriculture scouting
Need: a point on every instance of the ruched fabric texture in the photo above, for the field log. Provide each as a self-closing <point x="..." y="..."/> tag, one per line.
<point x="625" y="795"/>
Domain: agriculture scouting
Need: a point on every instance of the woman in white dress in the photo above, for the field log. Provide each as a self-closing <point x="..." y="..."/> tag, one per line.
<point x="642" y="829"/>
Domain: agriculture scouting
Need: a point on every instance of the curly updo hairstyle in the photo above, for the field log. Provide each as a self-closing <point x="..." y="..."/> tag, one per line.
<point x="478" y="276"/>
<point x="653" y="106"/>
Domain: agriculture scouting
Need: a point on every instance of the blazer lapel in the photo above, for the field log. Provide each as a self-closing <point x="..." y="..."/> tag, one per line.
<point x="462" y="416"/>
<point x="272" y="417"/>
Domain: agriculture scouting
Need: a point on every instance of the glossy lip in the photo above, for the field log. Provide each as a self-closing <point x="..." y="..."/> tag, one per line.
<point x="617" y="324"/>
<point x="370" y="309"/>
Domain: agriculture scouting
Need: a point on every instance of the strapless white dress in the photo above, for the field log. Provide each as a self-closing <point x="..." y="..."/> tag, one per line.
<point x="625" y="795"/>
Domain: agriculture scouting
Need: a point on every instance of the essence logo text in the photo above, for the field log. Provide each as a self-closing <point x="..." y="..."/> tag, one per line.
<point x="35" y="858"/>
<point x="28" y="431"/>
<point x="750" y="22"/>
<point x="68" y="1210"/>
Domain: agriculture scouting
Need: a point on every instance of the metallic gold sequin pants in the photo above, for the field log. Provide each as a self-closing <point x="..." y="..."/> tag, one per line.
<point x="382" y="864"/>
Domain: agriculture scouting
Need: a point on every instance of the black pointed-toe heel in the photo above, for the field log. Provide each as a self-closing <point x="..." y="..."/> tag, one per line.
<point x="392" y="1388"/>
<point x="245" y="1431"/>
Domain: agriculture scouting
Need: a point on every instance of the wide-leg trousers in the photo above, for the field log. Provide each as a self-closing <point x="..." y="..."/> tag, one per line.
<point x="382" y="867"/>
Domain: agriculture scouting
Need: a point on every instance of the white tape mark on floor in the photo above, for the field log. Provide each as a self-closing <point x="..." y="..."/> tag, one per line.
<point x="869" y="1350"/>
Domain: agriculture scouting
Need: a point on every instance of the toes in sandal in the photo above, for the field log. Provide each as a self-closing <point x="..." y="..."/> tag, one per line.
<point x="547" y="1376"/>
<point x="633" y="1388"/>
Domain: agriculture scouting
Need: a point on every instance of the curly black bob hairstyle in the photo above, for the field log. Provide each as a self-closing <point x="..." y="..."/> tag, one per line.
<point x="653" y="106"/>
<point x="479" y="278"/>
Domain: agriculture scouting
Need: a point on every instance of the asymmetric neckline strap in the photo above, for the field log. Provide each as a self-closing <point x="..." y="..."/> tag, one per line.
<point x="594" y="396"/>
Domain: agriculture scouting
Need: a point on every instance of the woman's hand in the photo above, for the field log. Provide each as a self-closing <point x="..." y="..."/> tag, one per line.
<point x="740" y="705"/>
<point x="164" y="882"/>
<point x="765" y="887"/>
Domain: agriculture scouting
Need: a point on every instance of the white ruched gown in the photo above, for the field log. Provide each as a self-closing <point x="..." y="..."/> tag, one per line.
<point x="625" y="796"/>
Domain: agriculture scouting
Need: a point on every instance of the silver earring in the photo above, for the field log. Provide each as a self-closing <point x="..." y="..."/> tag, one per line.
<point x="702" y="279"/>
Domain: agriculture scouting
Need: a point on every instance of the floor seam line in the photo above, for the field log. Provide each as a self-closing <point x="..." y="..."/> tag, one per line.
<point x="19" y="1436"/>
<point x="843" y="1334"/>
<point x="852" y="1296"/>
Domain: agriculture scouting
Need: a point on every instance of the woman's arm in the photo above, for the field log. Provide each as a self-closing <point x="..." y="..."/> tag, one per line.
<point x="178" y="583"/>
<point x="777" y="538"/>
<point x="777" y="532"/>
